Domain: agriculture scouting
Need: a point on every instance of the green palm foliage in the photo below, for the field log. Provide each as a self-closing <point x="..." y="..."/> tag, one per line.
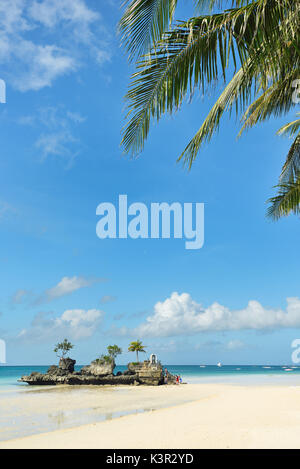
<point x="136" y="346"/>
<point x="259" y="40"/>
<point x="288" y="198"/>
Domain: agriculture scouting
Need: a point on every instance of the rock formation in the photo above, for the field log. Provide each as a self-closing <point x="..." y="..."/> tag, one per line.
<point x="67" y="364"/>
<point x="99" y="369"/>
<point x="98" y="373"/>
<point x="148" y="373"/>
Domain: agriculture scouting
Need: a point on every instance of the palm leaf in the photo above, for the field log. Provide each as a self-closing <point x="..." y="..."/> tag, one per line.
<point x="191" y="55"/>
<point x="260" y="38"/>
<point x="291" y="166"/>
<point x="186" y="57"/>
<point x="144" y="22"/>
<point x="287" y="201"/>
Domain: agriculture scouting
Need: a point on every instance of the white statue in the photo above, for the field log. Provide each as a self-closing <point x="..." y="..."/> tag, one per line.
<point x="153" y="359"/>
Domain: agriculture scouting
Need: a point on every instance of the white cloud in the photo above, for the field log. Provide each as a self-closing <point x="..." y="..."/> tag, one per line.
<point x="66" y="286"/>
<point x="181" y="315"/>
<point x="57" y="138"/>
<point x="67" y="30"/>
<point x="75" y="324"/>
<point x="56" y="144"/>
<point x="52" y="12"/>
<point x="41" y="65"/>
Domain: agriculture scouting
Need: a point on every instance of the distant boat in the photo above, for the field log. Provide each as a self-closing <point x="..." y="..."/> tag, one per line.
<point x="202" y="366"/>
<point x="219" y="364"/>
<point x="288" y="369"/>
<point x="267" y="367"/>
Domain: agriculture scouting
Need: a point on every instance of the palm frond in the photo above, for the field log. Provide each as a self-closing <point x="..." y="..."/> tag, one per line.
<point x="291" y="128"/>
<point x="237" y="90"/>
<point x="198" y="53"/>
<point x="258" y="39"/>
<point x="287" y="201"/>
<point x="275" y="101"/>
<point x="291" y="166"/>
<point x="185" y="58"/>
<point x="144" y="22"/>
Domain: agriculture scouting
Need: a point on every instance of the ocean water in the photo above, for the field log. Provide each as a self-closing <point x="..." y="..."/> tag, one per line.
<point x="240" y="374"/>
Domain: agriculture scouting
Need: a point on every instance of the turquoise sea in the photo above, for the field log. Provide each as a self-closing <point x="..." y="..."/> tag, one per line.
<point x="246" y="374"/>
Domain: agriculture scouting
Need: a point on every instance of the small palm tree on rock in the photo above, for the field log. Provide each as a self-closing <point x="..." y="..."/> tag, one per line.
<point x="136" y="346"/>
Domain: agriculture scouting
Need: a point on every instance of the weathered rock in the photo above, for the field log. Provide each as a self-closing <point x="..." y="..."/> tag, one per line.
<point x="135" y="367"/>
<point x="150" y="374"/>
<point x="56" y="371"/>
<point x="52" y="370"/>
<point x="96" y="369"/>
<point x="128" y="372"/>
<point x="67" y="364"/>
<point x="100" y="374"/>
<point x="38" y="379"/>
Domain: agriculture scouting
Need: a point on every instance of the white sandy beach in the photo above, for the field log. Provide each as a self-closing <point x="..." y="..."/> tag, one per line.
<point x="198" y="416"/>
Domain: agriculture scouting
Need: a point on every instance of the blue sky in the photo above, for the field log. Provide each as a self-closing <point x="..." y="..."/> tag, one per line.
<point x="66" y="76"/>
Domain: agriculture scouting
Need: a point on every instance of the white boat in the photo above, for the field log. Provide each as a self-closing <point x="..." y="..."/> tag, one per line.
<point x="219" y="364"/>
<point x="202" y="366"/>
<point x="288" y="369"/>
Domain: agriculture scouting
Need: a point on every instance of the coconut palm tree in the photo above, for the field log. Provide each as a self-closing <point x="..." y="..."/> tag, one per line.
<point x="258" y="39"/>
<point x="136" y="346"/>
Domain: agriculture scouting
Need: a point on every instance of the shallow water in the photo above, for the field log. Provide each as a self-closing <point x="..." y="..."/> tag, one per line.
<point x="26" y="410"/>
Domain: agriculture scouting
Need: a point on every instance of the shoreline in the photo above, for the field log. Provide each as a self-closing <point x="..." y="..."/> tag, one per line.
<point x="212" y="416"/>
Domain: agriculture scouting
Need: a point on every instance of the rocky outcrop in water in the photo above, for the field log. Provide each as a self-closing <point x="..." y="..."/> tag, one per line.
<point x="99" y="369"/>
<point x="67" y="364"/>
<point x="148" y="373"/>
<point x="99" y="374"/>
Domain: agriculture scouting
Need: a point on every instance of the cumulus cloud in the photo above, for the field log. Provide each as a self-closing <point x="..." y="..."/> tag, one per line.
<point x="68" y="30"/>
<point x="181" y="315"/>
<point x="76" y="324"/>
